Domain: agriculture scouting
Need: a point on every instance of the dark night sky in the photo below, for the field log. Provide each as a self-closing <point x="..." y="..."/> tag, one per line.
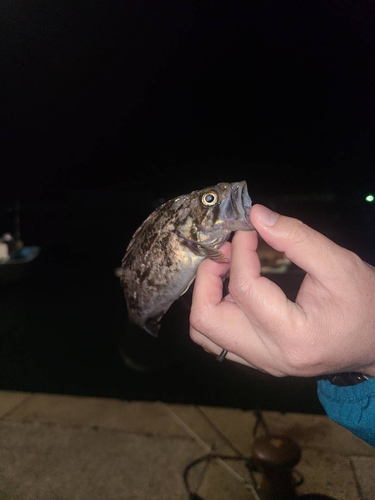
<point x="156" y="99"/>
<point x="278" y="93"/>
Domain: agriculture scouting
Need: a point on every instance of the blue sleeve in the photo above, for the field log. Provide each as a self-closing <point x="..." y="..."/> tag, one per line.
<point x="351" y="406"/>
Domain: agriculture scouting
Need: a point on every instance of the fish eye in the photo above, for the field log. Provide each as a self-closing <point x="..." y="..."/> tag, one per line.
<point x="209" y="199"/>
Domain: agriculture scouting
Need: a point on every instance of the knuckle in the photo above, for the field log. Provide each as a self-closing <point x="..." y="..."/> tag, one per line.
<point x="352" y="263"/>
<point x="199" y="322"/>
<point x="239" y="290"/>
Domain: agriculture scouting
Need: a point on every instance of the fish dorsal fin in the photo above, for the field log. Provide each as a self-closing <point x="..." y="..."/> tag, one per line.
<point x="204" y="250"/>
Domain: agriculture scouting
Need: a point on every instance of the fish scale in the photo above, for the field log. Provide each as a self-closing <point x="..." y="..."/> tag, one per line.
<point x="163" y="256"/>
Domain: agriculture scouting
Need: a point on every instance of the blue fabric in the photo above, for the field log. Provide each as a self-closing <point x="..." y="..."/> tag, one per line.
<point x="351" y="406"/>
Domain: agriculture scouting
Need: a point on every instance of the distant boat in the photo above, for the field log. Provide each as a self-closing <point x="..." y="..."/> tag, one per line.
<point x="15" y="258"/>
<point x="17" y="265"/>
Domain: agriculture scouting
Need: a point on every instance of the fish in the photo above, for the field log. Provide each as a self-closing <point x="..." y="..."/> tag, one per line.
<point x="162" y="258"/>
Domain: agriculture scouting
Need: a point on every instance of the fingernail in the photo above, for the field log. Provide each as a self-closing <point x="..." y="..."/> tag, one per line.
<point x="267" y="216"/>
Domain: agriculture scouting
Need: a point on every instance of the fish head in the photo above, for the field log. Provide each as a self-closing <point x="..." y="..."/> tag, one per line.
<point x="215" y="212"/>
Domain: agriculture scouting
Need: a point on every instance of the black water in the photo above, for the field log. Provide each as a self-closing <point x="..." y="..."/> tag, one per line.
<point x="64" y="328"/>
<point x="65" y="331"/>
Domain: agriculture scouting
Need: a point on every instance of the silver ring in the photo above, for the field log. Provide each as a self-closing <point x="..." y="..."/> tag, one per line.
<point x="222" y="355"/>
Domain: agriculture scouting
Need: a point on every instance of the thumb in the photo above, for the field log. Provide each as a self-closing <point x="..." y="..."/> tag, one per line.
<point x="307" y="248"/>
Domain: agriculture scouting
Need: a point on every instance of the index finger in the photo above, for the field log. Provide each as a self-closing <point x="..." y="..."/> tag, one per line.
<point x="208" y="288"/>
<point x="258" y="297"/>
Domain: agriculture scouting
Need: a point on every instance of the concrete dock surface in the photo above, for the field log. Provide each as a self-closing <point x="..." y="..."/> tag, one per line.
<point x="59" y="447"/>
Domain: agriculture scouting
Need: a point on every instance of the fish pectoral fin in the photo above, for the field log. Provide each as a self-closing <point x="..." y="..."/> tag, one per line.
<point x="187" y="288"/>
<point x="203" y="250"/>
<point x="194" y="246"/>
<point x="214" y="254"/>
<point x="152" y="326"/>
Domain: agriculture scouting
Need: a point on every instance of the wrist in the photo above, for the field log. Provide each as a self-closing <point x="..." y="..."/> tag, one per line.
<point x="346" y="378"/>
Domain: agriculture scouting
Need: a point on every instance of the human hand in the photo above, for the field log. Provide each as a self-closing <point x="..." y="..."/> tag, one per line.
<point x="330" y="328"/>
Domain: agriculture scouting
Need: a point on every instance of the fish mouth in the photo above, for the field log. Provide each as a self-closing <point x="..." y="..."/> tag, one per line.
<point x="239" y="206"/>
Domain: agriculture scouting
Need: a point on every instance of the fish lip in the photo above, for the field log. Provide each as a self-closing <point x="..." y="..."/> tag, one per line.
<point x="237" y="211"/>
<point x="240" y="203"/>
<point x="245" y="197"/>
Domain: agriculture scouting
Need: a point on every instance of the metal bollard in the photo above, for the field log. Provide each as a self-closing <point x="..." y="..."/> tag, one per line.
<point x="276" y="455"/>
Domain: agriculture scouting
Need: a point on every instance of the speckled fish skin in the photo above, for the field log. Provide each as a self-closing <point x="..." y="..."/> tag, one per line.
<point x="164" y="253"/>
